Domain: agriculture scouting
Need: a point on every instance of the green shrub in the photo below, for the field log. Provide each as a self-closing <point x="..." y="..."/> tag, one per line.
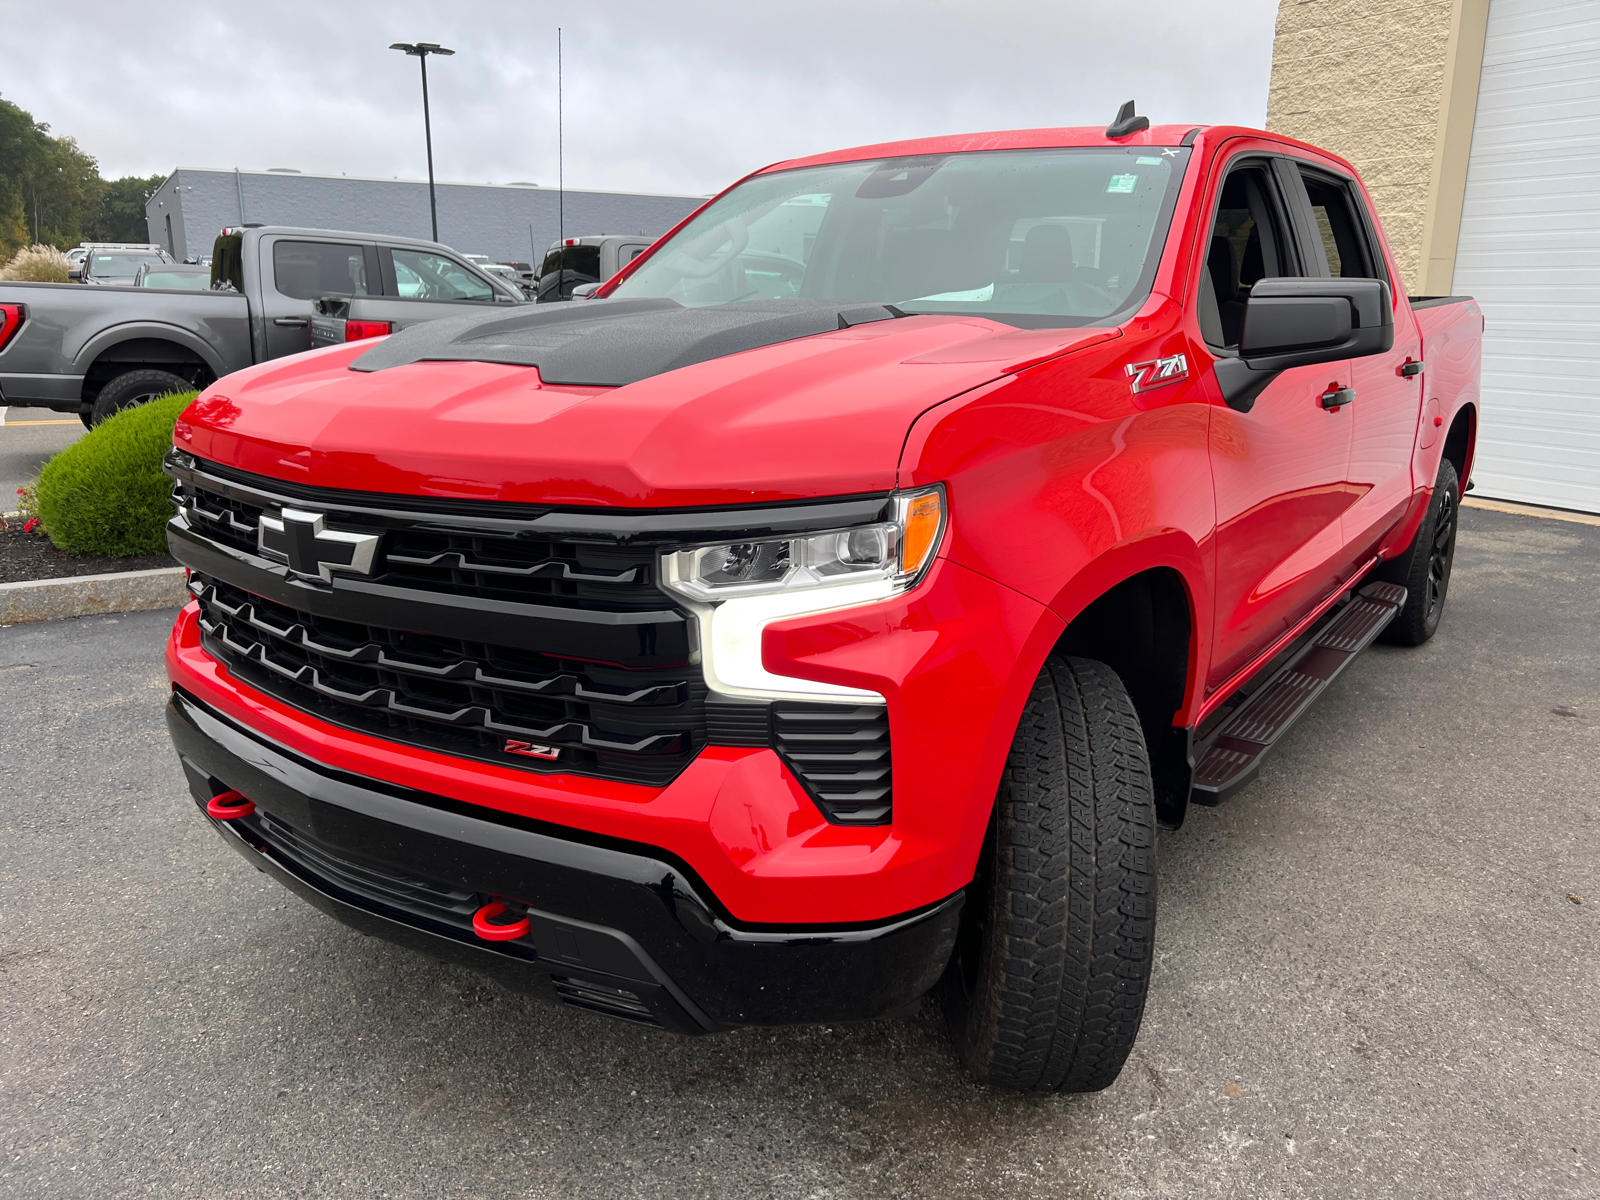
<point x="106" y="493"/>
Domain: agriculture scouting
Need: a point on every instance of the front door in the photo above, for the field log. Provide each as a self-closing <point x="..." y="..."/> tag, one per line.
<point x="1279" y="469"/>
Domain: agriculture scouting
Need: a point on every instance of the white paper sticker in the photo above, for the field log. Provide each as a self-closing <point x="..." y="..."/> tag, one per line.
<point x="1122" y="184"/>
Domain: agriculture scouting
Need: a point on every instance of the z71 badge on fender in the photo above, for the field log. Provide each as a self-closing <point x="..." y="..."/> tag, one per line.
<point x="1157" y="372"/>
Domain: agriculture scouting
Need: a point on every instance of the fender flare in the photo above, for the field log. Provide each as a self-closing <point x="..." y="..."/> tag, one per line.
<point x="128" y="331"/>
<point x="1155" y="549"/>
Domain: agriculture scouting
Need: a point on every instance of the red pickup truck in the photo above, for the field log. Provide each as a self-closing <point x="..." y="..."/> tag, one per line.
<point x="832" y="610"/>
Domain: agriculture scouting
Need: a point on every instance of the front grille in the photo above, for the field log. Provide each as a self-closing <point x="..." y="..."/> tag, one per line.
<point x="426" y="554"/>
<point x="511" y="634"/>
<point x="460" y="697"/>
<point x="841" y="753"/>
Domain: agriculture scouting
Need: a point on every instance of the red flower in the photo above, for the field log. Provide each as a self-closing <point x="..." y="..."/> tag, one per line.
<point x="33" y="523"/>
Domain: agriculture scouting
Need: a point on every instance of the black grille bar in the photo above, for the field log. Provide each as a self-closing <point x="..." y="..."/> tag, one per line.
<point x="534" y="711"/>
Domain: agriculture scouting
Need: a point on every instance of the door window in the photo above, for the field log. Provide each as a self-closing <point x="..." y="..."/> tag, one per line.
<point x="419" y="275"/>
<point x="1249" y="241"/>
<point x="1343" y="234"/>
<point x="306" y="270"/>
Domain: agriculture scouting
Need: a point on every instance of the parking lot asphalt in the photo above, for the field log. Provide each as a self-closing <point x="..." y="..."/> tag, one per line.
<point x="1372" y="979"/>
<point x="28" y="436"/>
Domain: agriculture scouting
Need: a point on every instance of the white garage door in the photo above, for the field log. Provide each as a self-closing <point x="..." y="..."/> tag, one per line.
<point x="1530" y="252"/>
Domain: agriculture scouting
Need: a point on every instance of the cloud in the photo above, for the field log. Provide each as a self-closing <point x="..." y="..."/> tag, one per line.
<point x="672" y="98"/>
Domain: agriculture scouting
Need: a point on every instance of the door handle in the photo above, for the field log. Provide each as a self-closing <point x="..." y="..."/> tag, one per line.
<point x="292" y="322"/>
<point x="1337" y="397"/>
<point x="1411" y="367"/>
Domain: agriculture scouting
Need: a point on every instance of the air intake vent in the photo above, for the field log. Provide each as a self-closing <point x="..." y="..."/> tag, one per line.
<point x="597" y="997"/>
<point x="841" y="753"/>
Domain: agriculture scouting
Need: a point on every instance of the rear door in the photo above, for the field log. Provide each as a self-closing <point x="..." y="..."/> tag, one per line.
<point x="1278" y="468"/>
<point x="295" y="270"/>
<point x="1387" y="403"/>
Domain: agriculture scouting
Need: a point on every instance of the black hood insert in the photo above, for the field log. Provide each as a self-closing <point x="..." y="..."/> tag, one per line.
<point x="611" y="343"/>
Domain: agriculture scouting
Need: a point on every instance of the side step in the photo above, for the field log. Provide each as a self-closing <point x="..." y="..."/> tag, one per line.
<point x="1230" y="756"/>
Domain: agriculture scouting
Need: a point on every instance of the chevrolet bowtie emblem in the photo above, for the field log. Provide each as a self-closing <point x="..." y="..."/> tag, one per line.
<point x="310" y="548"/>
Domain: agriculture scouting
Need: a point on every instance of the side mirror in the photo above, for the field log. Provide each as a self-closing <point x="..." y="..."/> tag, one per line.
<point x="75" y="273"/>
<point x="1301" y="322"/>
<point x="584" y="290"/>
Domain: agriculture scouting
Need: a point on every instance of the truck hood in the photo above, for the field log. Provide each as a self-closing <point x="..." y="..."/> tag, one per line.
<point x="820" y="414"/>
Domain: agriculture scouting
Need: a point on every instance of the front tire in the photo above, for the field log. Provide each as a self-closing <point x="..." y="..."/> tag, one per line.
<point x="134" y="387"/>
<point x="1424" y="568"/>
<point x="1047" y="986"/>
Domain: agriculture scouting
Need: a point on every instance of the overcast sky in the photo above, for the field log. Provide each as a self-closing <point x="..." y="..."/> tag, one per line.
<point x="660" y="97"/>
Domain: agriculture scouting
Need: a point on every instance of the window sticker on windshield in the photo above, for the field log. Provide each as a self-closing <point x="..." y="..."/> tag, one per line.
<point x="1149" y="162"/>
<point x="1122" y="184"/>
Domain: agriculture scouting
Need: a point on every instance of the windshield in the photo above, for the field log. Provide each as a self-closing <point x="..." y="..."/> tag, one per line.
<point x="1035" y="238"/>
<point x="120" y="266"/>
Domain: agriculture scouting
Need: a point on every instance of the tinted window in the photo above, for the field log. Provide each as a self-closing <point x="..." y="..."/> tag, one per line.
<point x="1048" y="237"/>
<point x="1248" y="242"/>
<point x="176" y="279"/>
<point x="1343" y="239"/>
<point x="306" y="270"/>
<point x="565" y="268"/>
<point x="423" y="276"/>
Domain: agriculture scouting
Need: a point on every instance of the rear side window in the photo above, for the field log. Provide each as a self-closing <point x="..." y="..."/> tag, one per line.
<point x="1344" y="238"/>
<point x="567" y="267"/>
<point x="419" y="275"/>
<point x="306" y="270"/>
<point x="227" y="263"/>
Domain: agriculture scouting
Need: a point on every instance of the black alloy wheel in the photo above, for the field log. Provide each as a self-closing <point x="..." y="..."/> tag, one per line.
<point x="1423" y="569"/>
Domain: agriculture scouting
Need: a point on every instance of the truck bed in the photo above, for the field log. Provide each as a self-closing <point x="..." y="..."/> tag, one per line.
<point x="68" y="324"/>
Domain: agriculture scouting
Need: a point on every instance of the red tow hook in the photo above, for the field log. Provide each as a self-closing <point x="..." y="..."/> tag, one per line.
<point x="229" y="806"/>
<point x="481" y="924"/>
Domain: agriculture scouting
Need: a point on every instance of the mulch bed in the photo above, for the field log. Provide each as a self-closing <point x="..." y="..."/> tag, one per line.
<point x="28" y="556"/>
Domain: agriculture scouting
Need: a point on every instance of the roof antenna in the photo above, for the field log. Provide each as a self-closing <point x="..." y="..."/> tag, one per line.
<point x="1126" y="122"/>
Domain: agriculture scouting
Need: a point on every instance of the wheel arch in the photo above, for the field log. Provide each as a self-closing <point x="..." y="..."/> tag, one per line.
<point x="1461" y="443"/>
<point x="1144" y="616"/>
<point x="145" y="345"/>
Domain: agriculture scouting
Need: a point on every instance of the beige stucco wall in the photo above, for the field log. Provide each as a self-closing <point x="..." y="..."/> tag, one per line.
<point x="1391" y="86"/>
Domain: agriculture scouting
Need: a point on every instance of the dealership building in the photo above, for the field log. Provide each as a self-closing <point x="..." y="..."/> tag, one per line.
<point x="508" y="222"/>
<point x="1476" y="126"/>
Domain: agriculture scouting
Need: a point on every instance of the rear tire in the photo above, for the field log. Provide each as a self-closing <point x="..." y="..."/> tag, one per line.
<point x="1424" y="568"/>
<point x="1047" y="986"/>
<point x="134" y="387"/>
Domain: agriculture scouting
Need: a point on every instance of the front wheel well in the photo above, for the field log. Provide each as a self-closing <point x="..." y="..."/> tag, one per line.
<point x="1143" y="630"/>
<point x="137" y="354"/>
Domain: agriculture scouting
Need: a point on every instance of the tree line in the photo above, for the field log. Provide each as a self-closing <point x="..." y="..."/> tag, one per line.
<point x="51" y="191"/>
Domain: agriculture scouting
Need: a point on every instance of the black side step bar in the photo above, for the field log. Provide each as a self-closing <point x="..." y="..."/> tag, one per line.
<point x="1230" y="756"/>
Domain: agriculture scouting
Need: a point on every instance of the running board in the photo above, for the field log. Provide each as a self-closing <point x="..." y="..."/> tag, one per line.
<point x="1230" y="756"/>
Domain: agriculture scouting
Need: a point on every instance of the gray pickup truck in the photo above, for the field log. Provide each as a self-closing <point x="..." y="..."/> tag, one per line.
<point x="94" y="351"/>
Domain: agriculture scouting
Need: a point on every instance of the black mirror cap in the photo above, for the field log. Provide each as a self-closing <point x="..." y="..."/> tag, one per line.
<point x="1298" y="322"/>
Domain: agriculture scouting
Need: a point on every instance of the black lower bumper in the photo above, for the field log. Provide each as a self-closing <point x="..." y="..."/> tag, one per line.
<point x="615" y="927"/>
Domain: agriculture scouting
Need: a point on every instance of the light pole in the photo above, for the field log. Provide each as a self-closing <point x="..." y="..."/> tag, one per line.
<point x="420" y="51"/>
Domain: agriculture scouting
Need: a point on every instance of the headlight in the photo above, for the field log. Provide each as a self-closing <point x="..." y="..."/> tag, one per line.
<point x="737" y="588"/>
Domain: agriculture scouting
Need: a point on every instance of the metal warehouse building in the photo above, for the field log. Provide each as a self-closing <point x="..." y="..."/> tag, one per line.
<point x="508" y="222"/>
<point x="1476" y="124"/>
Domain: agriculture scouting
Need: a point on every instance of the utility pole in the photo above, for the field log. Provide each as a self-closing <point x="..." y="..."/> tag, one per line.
<point x="561" y="172"/>
<point x="420" y="51"/>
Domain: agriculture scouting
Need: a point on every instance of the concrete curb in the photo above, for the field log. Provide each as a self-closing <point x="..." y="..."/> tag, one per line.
<point x="87" y="595"/>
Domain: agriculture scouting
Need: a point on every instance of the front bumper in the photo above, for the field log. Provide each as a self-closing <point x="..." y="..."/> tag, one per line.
<point x="616" y="927"/>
